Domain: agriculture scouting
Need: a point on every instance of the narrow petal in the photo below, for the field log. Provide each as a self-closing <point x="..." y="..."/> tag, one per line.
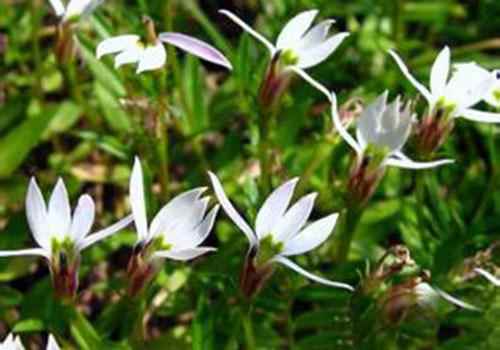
<point x="480" y="116"/>
<point x="196" y="47"/>
<point x="249" y="30"/>
<point x="231" y="211"/>
<point x="455" y="301"/>
<point x="422" y="89"/>
<point x="52" y="344"/>
<point x="317" y="54"/>
<point x="137" y="201"/>
<point x="132" y="55"/>
<point x="105" y="233"/>
<point x="116" y="44"/>
<point x="78" y="8"/>
<point x="290" y="264"/>
<point x="295" y="29"/>
<point x="59" y="211"/>
<point x="58" y="7"/>
<point x="83" y="218"/>
<point x="311" y="237"/>
<point x="410" y="164"/>
<point x="303" y="74"/>
<point x="493" y="279"/>
<point x="185" y="254"/>
<point x="153" y="57"/>
<point x="203" y="230"/>
<point x="440" y="72"/>
<point x="369" y="128"/>
<point x="273" y="208"/>
<point x="26" y="252"/>
<point x="295" y="218"/>
<point x="36" y="213"/>
<point x="316" y="35"/>
<point x="340" y="128"/>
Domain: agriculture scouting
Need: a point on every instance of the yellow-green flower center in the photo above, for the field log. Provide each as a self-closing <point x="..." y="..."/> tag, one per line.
<point x="289" y="57"/>
<point x="268" y="249"/>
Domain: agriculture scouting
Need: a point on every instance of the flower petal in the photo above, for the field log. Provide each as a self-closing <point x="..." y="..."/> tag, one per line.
<point x="59" y="211"/>
<point x="201" y="232"/>
<point x="494" y="280"/>
<point x="249" y="30"/>
<point x="340" y="128"/>
<point x="455" y="301"/>
<point x="317" y="54"/>
<point x="36" y="213"/>
<point x="480" y="116"/>
<point x="153" y="57"/>
<point x="369" y="128"/>
<point x="295" y="29"/>
<point x="58" y="7"/>
<point x="311" y="237"/>
<point x="440" y="72"/>
<point x="231" y="211"/>
<point x="78" y="8"/>
<point x="273" y="208"/>
<point x="129" y="56"/>
<point x="117" y="44"/>
<point x="404" y="162"/>
<point x="290" y="264"/>
<point x="185" y="254"/>
<point x="196" y="47"/>
<point x="316" y="35"/>
<point x="52" y="344"/>
<point x="105" y="233"/>
<point x="83" y="218"/>
<point x="137" y="201"/>
<point x="294" y="219"/>
<point x="422" y="89"/>
<point x="26" y="252"/>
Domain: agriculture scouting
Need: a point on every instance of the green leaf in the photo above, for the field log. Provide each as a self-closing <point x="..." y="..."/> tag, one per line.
<point x="29" y="325"/>
<point x="115" y="116"/>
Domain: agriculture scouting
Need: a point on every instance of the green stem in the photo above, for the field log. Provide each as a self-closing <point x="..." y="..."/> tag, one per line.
<point x="346" y="234"/>
<point x="246" y="319"/>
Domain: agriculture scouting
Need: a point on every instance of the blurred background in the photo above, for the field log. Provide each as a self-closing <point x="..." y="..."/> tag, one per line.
<point x="85" y="121"/>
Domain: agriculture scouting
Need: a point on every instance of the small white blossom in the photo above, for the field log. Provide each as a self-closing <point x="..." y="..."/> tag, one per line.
<point x="11" y="343"/>
<point x="130" y="49"/>
<point x="492" y="96"/>
<point x="179" y="227"/>
<point x="74" y="9"/>
<point x="489" y="276"/>
<point x="303" y="46"/>
<point x="455" y="94"/>
<point x="429" y="296"/>
<point x="53" y="225"/>
<point x="282" y="229"/>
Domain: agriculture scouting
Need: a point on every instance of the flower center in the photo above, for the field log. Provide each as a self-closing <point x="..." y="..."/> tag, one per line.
<point x="289" y="57"/>
<point x="375" y="155"/>
<point x="444" y="108"/>
<point x="268" y="249"/>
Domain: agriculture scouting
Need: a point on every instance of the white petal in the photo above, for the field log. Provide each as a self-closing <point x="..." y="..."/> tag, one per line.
<point x="368" y="127"/>
<point x="273" y="208"/>
<point x="407" y="163"/>
<point x="201" y="232"/>
<point x="80" y="8"/>
<point x="26" y="252"/>
<point x="185" y="254"/>
<point x="36" y="213"/>
<point x="295" y="29"/>
<point x="231" y="211"/>
<point x="295" y="218"/>
<point x="105" y="233"/>
<point x="480" y="116"/>
<point x="317" y="54"/>
<point x="422" y="89"/>
<point x="493" y="279"/>
<point x="455" y="301"/>
<point x="174" y="212"/>
<point x="316" y="35"/>
<point x="440" y="72"/>
<point x="52" y="344"/>
<point x="59" y="211"/>
<point x="117" y="44"/>
<point x="83" y="218"/>
<point x="290" y="264"/>
<point x="340" y="128"/>
<point x="132" y="55"/>
<point x="137" y="200"/>
<point x="313" y="82"/>
<point x="153" y="57"/>
<point x="311" y="237"/>
<point x="249" y="30"/>
<point x="58" y="7"/>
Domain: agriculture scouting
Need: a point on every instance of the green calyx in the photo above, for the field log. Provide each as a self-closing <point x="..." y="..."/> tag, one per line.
<point x="444" y="109"/>
<point x="289" y="58"/>
<point x="268" y="249"/>
<point x="375" y="155"/>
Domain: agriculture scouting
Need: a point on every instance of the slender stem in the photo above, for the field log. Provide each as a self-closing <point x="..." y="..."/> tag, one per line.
<point x="346" y="234"/>
<point x="246" y="319"/>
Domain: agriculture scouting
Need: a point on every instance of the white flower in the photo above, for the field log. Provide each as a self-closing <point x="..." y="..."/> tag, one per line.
<point x="11" y="343"/>
<point x="281" y="231"/>
<point x="54" y="226"/>
<point x="490" y="277"/>
<point x="52" y="344"/>
<point x="74" y="9"/>
<point x="457" y="94"/>
<point x="385" y="126"/>
<point x="130" y="49"/>
<point x="492" y="96"/>
<point x="179" y="227"/>
<point x="429" y="296"/>
<point x="303" y="46"/>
